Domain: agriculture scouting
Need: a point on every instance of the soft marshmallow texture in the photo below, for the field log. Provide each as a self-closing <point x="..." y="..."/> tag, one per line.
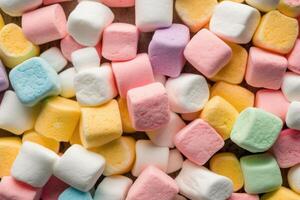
<point x="292" y="117"/>
<point x="55" y="58"/>
<point x="175" y="161"/>
<point x="85" y="58"/>
<point x="18" y="7"/>
<point x="291" y="86"/>
<point x="263" y="5"/>
<point x="294" y="177"/>
<point x="4" y="83"/>
<point x="66" y="79"/>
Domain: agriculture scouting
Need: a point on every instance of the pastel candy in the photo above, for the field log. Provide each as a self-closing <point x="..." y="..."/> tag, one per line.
<point x="68" y="45"/>
<point x="175" y="161"/>
<point x="190" y="116"/>
<point x="153" y="15"/>
<point x="85" y="58"/>
<point x="200" y="49"/>
<point x="265" y="69"/>
<point x="14" y="47"/>
<point x="34" y="80"/>
<point x="155" y="181"/>
<point x="72" y="193"/>
<point x="290" y="86"/>
<point x="243" y="196"/>
<point x="66" y="79"/>
<point x="160" y="78"/>
<point x="75" y="139"/>
<point x="263" y="5"/>
<point x="256" y="130"/>
<point x="293" y="58"/>
<point x="18" y="7"/>
<point x="53" y="189"/>
<point x="234" y="22"/>
<point x="34" y="164"/>
<point x="290" y="8"/>
<point x="283" y="35"/>
<point x="47" y="2"/>
<point x="82" y="25"/>
<point x="198" y="141"/>
<point x="4" y="83"/>
<point x="126" y="122"/>
<point x="293" y="178"/>
<point x="166" y="50"/>
<point x="292" y="119"/>
<point x="281" y="193"/>
<point x="55" y="58"/>
<point x="261" y="173"/>
<point x="119" y="3"/>
<point x="79" y="168"/>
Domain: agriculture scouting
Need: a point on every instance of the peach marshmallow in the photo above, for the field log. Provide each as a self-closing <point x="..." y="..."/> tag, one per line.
<point x="118" y="3"/>
<point x="175" y="161"/>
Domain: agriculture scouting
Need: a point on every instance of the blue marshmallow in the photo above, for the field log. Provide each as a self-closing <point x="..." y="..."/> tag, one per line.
<point x="73" y="194"/>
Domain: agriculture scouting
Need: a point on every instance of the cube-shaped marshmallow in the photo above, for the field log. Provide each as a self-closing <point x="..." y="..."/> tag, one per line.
<point x="55" y="58"/>
<point x="85" y="58"/>
<point x="281" y="193"/>
<point x="289" y="8"/>
<point x="263" y="5"/>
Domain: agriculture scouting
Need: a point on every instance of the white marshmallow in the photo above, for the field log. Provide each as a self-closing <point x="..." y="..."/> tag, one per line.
<point x="154" y="14"/>
<point x="14" y="116"/>
<point x="292" y="116"/>
<point x="294" y="178"/>
<point x="34" y="164"/>
<point x="87" y="22"/>
<point x="113" y="188"/>
<point x="149" y="154"/>
<point x="164" y="136"/>
<point x="16" y="8"/>
<point x="234" y="22"/>
<point x="187" y="93"/>
<point x="198" y="183"/>
<point x="263" y="5"/>
<point x="79" y="168"/>
<point x="175" y="161"/>
<point x="160" y="78"/>
<point x="179" y="197"/>
<point x="95" y="86"/>
<point x="55" y="58"/>
<point x="66" y="79"/>
<point x="291" y="86"/>
<point x="85" y="58"/>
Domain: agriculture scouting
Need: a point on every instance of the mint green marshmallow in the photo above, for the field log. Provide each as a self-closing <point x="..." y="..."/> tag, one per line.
<point x="256" y="130"/>
<point x="261" y="173"/>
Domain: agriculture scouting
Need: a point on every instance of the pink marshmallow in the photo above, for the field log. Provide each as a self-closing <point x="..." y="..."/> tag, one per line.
<point x="148" y="107"/>
<point x="118" y="3"/>
<point x="120" y="42"/>
<point x="133" y="73"/>
<point x="68" y="45"/>
<point x="287" y="149"/>
<point x="53" y="189"/>
<point x="265" y="69"/>
<point x="272" y="101"/>
<point x="11" y="189"/>
<point x="294" y="58"/>
<point x="48" y="2"/>
<point x="243" y="196"/>
<point x="198" y="141"/>
<point x="153" y="184"/>
<point x="45" y="24"/>
<point x="207" y="53"/>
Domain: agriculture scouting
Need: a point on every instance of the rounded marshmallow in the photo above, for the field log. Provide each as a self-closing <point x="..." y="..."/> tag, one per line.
<point x="291" y="86"/>
<point x="55" y="58"/>
<point x="68" y="45"/>
<point x="294" y="178"/>
<point x="16" y="8"/>
<point x="175" y="161"/>
<point x="263" y="5"/>
<point x="85" y="58"/>
<point x="293" y="58"/>
<point x="66" y="79"/>
<point x="292" y="117"/>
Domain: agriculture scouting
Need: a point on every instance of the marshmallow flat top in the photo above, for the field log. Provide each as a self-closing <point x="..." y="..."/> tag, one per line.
<point x="290" y="8"/>
<point x="281" y="193"/>
<point x="264" y="5"/>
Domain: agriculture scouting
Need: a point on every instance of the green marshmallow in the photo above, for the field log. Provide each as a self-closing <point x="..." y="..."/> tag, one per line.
<point x="261" y="173"/>
<point x="256" y="130"/>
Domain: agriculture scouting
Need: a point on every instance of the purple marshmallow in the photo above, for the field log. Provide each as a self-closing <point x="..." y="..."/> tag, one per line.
<point x="4" y="83"/>
<point x="166" y="50"/>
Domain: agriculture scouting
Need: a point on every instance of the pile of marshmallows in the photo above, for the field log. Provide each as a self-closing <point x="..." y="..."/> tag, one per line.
<point x="69" y="121"/>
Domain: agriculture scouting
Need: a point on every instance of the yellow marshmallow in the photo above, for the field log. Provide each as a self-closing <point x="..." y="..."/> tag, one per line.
<point x="237" y="1"/>
<point x="276" y="32"/>
<point x="49" y="143"/>
<point x="236" y="95"/>
<point x="281" y="194"/>
<point x="195" y="13"/>
<point x="2" y="23"/>
<point x="234" y="71"/>
<point x="58" y="118"/>
<point x="9" y="149"/>
<point x="220" y="114"/>
<point x="75" y="139"/>
<point x="227" y="164"/>
<point x="119" y="155"/>
<point x="288" y="8"/>
<point x="14" y="47"/>
<point x="100" y="125"/>
<point x="126" y="123"/>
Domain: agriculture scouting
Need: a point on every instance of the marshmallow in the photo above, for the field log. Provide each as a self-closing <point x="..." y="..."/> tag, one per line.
<point x="85" y="58"/>
<point x="100" y="125"/>
<point x="34" y="164"/>
<point x="79" y="168"/>
<point x="265" y="69"/>
<point x="164" y="135"/>
<point x="119" y="3"/>
<point x="120" y="42"/>
<point x="82" y="25"/>
<point x="75" y="139"/>
<point x="16" y="8"/>
<point x="263" y="5"/>
<point x="126" y="122"/>
<point x="148" y="107"/>
<point x="198" y="141"/>
<point x="9" y="149"/>
<point x="261" y="173"/>
<point x="256" y="130"/>
<point x="14" y="47"/>
<point x="290" y="8"/>
<point x="205" y="184"/>
<point x="294" y="177"/>
<point x="292" y="118"/>
<point x="160" y="78"/>
<point x="95" y="86"/>
<point x="293" y="58"/>
<point x="153" y="184"/>
<point x="291" y="86"/>
<point x="55" y="58"/>
<point x="133" y="73"/>
<point x="119" y="155"/>
<point x="4" y="82"/>
<point x="166" y="50"/>
<point x="47" y="2"/>
<point x="153" y="15"/>
<point x="66" y="79"/>
<point x="53" y="189"/>
<point x="207" y="53"/>
<point x="14" y="116"/>
<point x="113" y="188"/>
<point x="187" y="93"/>
<point x="72" y="193"/>
<point x="243" y="196"/>
<point x="2" y="23"/>
<point x="281" y="193"/>
<point x="68" y="45"/>
<point x="175" y="161"/>
<point x="283" y="35"/>
<point x="190" y="116"/>
<point x="149" y="154"/>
